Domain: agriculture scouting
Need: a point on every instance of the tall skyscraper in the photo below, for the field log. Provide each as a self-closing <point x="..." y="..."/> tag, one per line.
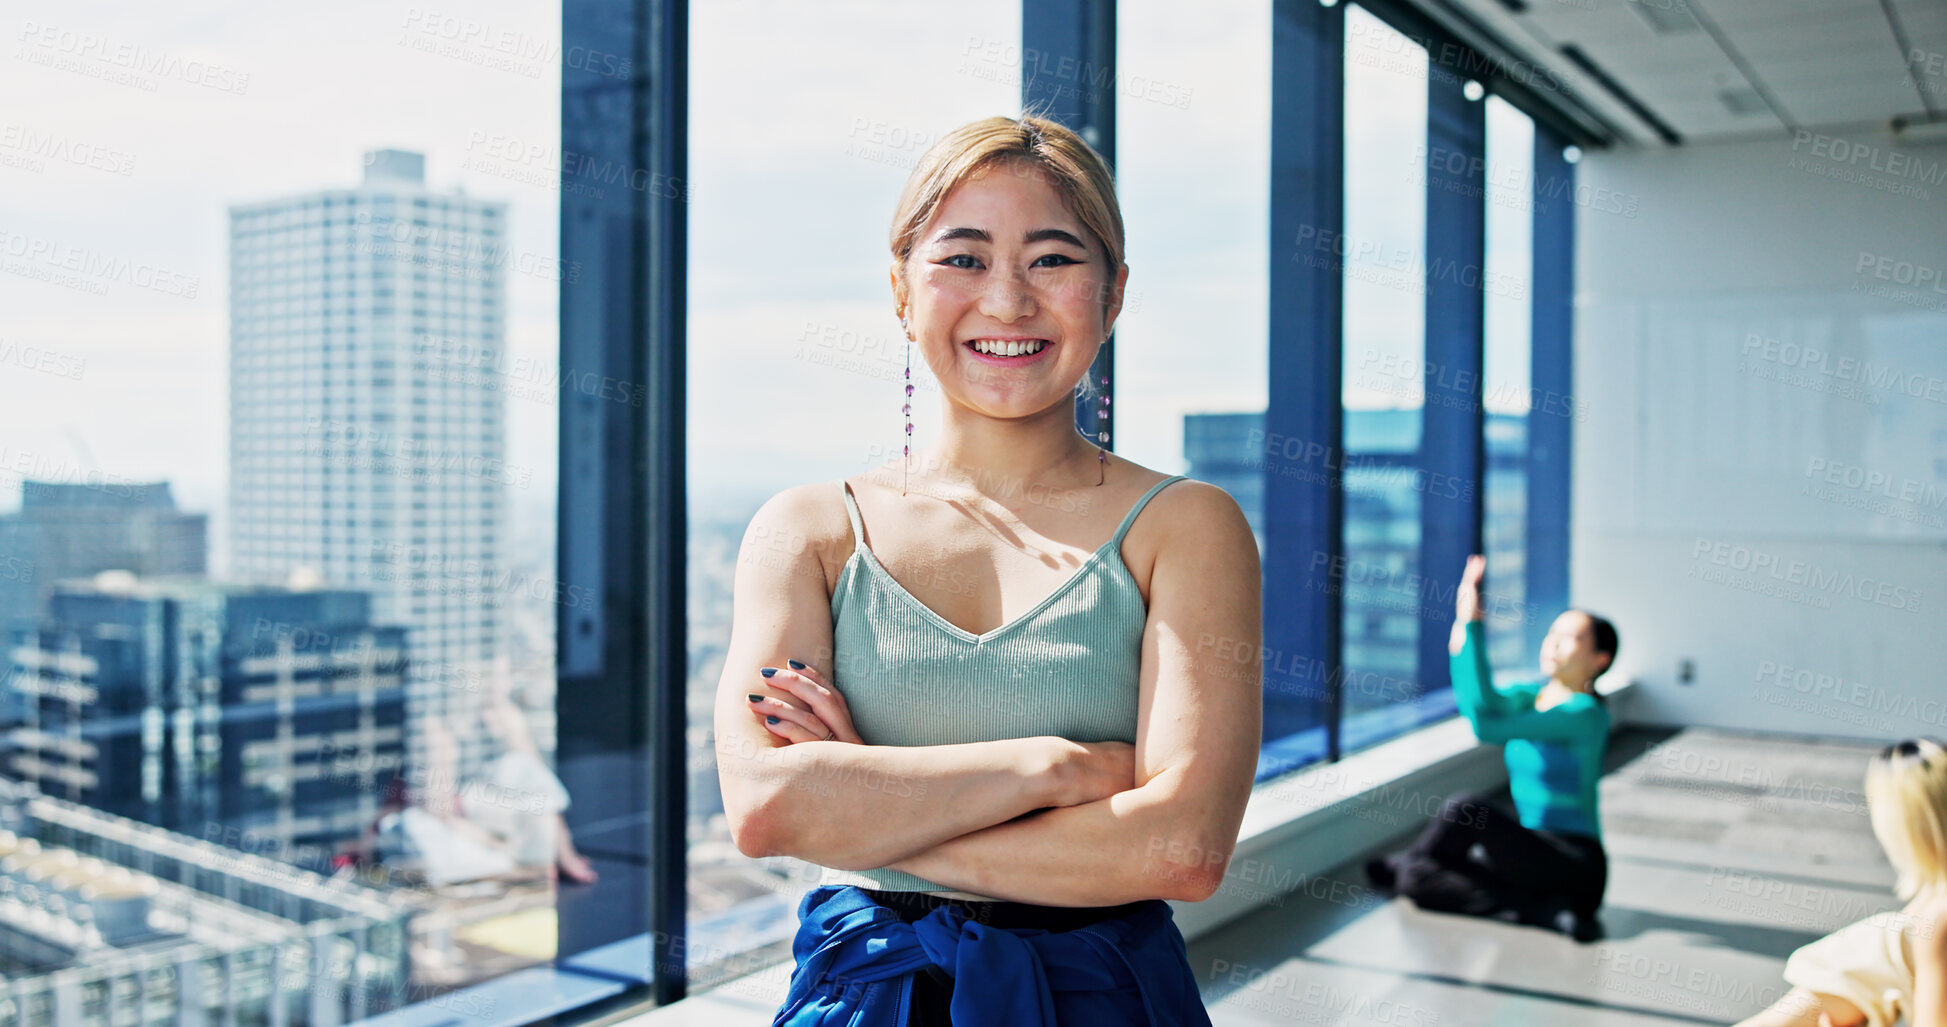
<point x="368" y="432"/>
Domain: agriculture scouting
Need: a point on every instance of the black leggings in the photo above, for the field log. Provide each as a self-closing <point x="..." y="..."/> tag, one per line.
<point x="932" y="986"/>
<point x="1516" y="870"/>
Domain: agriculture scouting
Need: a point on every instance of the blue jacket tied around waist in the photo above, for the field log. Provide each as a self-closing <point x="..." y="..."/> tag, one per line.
<point x="856" y="960"/>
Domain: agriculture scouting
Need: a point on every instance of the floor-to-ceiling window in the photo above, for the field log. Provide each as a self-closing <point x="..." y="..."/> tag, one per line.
<point x="799" y="150"/>
<point x="1191" y="165"/>
<point x="1383" y="259"/>
<point x="1507" y="384"/>
<point x="278" y="407"/>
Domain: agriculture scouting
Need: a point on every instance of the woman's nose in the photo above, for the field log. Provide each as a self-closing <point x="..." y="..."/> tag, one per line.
<point x="1006" y="300"/>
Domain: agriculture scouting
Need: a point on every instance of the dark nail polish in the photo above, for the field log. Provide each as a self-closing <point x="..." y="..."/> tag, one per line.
<point x="770" y="720"/>
<point x="795" y="665"/>
<point x="753" y="697"/>
<point x="767" y="671"/>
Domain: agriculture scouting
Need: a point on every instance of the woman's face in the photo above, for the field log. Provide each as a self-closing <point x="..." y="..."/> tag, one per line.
<point x="1006" y="294"/>
<point x="1569" y="650"/>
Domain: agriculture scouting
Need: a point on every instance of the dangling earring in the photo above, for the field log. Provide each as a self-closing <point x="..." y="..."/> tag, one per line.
<point x="907" y="474"/>
<point x="1102" y="434"/>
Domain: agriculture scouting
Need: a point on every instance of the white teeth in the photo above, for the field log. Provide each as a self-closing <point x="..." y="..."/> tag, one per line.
<point x="995" y="347"/>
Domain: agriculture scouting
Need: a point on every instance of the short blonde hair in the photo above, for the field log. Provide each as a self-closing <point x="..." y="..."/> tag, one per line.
<point x="1906" y="796"/>
<point x="1069" y="164"/>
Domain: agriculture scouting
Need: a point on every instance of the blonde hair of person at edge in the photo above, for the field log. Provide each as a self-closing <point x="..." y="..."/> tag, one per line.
<point x="1889" y="965"/>
<point x="979" y="689"/>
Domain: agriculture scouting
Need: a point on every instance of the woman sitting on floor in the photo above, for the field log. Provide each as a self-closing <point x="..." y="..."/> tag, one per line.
<point x="1547" y="868"/>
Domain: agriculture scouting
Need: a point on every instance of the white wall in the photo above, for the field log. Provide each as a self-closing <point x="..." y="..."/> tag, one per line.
<point x="1703" y="522"/>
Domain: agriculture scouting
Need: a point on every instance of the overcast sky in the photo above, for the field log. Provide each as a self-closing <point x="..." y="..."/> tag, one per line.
<point x="805" y="119"/>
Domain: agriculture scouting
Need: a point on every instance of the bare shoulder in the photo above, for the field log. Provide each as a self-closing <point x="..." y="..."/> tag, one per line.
<point x="802" y="520"/>
<point x="1190" y="522"/>
<point x="810" y="505"/>
<point x="1191" y="497"/>
<point x="1199" y="516"/>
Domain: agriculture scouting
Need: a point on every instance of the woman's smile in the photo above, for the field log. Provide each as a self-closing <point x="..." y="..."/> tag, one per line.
<point x="1006" y="351"/>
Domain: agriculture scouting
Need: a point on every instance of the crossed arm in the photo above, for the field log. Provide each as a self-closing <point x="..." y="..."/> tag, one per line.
<point x="1156" y="820"/>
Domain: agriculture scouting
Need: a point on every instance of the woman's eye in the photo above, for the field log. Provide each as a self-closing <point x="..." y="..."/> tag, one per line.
<point x="962" y="261"/>
<point x="1054" y="260"/>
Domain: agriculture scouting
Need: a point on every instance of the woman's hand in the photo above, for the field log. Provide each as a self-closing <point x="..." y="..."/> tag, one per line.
<point x="1466" y="602"/>
<point x="814" y="713"/>
<point x="1092" y="771"/>
<point x="1467" y="598"/>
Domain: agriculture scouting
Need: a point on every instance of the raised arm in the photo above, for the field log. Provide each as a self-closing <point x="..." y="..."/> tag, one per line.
<point x="1473" y="682"/>
<point x="837" y="803"/>
<point x="1197" y="733"/>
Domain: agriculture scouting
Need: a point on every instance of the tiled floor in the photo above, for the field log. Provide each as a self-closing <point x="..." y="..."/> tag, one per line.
<point x="1726" y="851"/>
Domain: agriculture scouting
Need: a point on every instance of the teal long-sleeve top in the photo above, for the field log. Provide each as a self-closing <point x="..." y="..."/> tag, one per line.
<point x="1554" y="756"/>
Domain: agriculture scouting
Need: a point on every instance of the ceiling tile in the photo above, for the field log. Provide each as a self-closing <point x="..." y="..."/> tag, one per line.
<point x="1743" y="14"/>
<point x="1822" y="61"/>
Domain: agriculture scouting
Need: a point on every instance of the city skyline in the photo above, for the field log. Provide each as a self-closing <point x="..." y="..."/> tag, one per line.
<point x="1189" y="224"/>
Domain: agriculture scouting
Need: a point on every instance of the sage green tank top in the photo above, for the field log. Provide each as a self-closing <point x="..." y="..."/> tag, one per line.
<point x="1069" y="666"/>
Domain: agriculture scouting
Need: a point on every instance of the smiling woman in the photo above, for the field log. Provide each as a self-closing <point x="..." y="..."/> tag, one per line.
<point x="985" y="715"/>
<point x="950" y="268"/>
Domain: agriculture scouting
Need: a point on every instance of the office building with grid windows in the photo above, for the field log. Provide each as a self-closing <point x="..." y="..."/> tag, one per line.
<point x="368" y="438"/>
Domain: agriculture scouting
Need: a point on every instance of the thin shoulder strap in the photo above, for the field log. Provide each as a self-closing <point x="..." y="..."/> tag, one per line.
<point x="852" y="511"/>
<point x="1130" y="517"/>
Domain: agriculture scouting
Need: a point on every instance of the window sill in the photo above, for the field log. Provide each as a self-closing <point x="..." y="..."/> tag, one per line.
<point x="1296" y="826"/>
